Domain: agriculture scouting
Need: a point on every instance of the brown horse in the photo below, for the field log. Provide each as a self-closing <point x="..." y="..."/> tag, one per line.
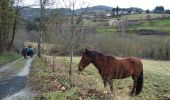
<point x="111" y="68"/>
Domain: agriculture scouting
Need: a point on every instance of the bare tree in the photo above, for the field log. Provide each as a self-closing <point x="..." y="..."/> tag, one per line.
<point x="72" y="27"/>
<point x="117" y="11"/>
<point x="18" y="8"/>
<point x="41" y="27"/>
<point x="43" y="4"/>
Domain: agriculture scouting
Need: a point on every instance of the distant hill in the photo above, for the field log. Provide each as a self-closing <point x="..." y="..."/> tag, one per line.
<point x="32" y="13"/>
<point x="95" y="9"/>
<point x="99" y="8"/>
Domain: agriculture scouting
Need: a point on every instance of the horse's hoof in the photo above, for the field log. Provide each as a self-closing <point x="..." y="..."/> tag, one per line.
<point x="131" y="94"/>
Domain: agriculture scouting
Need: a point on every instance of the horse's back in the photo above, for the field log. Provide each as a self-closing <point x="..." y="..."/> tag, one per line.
<point x="135" y="64"/>
<point x="134" y="60"/>
<point x="120" y="67"/>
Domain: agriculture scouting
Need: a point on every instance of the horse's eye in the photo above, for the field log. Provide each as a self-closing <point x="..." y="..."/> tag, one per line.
<point x="85" y="58"/>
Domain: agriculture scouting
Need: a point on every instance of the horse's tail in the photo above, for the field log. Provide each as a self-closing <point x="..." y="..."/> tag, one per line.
<point x="139" y="84"/>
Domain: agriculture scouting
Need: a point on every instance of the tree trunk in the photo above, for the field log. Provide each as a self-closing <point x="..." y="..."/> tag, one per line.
<point x="53" y="66"/>
<point x="13" y="33"/>
<point x="71" y="61"/>
<point x="71" y="43"/>
<point x="41" y="29"/>
<point x="39" y="45"/>
<point x="1" y="43"/>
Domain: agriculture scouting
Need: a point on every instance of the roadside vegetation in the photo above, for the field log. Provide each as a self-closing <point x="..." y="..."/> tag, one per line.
<point x="8" y="57"/>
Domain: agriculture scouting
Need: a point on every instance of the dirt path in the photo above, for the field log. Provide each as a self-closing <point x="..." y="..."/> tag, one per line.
<point x="13" y="79"/>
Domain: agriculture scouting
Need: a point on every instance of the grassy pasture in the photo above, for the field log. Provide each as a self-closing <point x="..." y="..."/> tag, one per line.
<point x="88" y="85"/>
<point x="159" y="25"/>
<point x="106" y="29"/>
<point x="95" y="22"/>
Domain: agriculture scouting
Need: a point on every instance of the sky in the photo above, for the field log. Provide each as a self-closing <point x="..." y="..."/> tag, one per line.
<point x="144" y="4"/>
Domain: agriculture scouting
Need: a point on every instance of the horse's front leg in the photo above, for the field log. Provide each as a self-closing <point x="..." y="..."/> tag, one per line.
<point x="111" y="85"/>
<point x="105" y="86"/>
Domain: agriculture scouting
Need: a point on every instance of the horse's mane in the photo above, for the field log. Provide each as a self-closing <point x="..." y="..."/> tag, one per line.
<point x="100" y="54"/>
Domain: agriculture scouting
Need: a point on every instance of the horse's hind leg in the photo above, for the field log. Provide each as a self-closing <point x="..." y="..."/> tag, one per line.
<point x="111" y="85"/>
<point x="134" y="85"/>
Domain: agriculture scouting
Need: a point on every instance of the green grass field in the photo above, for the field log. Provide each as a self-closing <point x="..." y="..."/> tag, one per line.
<point x="90" y="86"/>
<point x="159" y="25"/>
<point x="106" y="30"/>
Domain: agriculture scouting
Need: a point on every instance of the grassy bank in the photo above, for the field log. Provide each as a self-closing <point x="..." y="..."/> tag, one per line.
<point x="8" y="57"/>
<point x="88" y="85"/>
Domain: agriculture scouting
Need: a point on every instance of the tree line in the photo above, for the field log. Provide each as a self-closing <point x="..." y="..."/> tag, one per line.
<point x="157" y="9"/>
<point x="9" y="18"/>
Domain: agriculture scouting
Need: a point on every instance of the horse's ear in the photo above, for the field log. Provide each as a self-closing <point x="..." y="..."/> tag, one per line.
<point x="86" y="50"/>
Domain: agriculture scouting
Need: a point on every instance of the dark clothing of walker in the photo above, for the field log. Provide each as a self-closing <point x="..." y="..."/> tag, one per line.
<point x="27" y="52"/>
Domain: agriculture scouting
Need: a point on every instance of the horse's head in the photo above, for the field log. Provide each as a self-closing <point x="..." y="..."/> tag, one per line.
<point x="87" y="58"/>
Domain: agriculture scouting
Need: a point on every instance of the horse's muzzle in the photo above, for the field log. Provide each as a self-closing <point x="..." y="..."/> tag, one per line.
<point x="80" y="68"/>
